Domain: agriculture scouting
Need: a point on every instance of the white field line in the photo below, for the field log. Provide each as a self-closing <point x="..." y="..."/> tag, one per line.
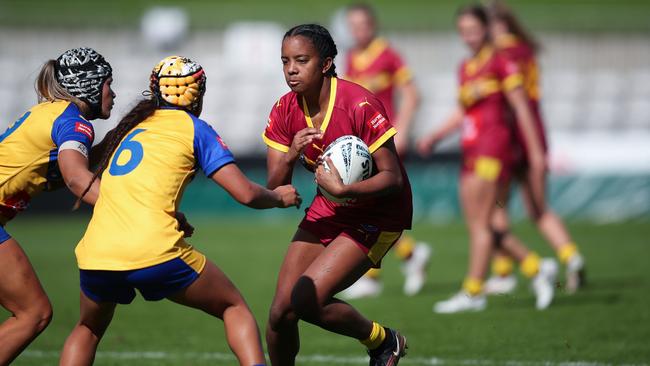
<point x="316" y="358"/>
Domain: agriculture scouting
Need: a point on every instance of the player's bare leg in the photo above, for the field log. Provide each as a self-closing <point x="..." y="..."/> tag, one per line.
<point x="282" y="336"/>
<point x="21" y="294"/>
<point x="554" y="231"/>
<point x="215" y="294"/>
<point x="478" y="197"/>
<point x="80" y="347"/>
<point x="338" y="266"/>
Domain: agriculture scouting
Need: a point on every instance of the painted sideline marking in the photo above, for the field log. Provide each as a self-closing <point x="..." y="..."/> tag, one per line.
<point x="316" y="358"/>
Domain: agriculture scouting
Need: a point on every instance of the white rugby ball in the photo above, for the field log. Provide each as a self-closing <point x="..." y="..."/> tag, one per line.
<point x="352" y="160"/>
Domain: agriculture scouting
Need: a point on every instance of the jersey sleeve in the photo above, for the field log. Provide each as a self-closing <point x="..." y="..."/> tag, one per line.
<point x="401" y="72"/>
<point x="70" y="132"/>
<point x="210" y="151"/>
<point x="276" y="135"/>
<point x="372" y="124"/>
<point x="509" y="73"/>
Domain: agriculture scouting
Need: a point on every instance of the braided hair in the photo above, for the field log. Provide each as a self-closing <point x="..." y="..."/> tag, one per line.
<point x="321" y="39"/>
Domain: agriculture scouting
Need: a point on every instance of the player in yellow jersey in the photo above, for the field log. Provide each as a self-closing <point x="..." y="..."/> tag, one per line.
<point x="378" y="67"/>
<point x="133" y="240"/>
<point x="44" y="149"/>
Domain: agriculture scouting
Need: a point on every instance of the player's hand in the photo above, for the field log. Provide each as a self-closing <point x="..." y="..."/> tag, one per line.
<point x="330" y="179"/>
<point x="184" y="225"/>
<point x="289" y="196"/>
<point x="425" y="145"/>
<point x="301" y="140"/>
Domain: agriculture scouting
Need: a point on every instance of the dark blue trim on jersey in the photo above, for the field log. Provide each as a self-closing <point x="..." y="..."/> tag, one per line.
<point x="4" y="235"/>
<point x="210" y="153"/>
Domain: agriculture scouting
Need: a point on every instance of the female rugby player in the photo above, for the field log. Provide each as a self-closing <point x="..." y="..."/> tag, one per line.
<point x="47" y="146"/>
<point x="335" y="243"/>
<point x="515" y="42"/>
<point x="134" y="241"/>
<point x="489" y="84"/>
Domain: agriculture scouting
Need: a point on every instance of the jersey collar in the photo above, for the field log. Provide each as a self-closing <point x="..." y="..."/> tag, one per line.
<point x="330" y="107"/>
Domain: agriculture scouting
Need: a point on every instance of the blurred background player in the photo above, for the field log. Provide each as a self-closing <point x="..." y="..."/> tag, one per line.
<point x="512" y="39"/>
<point x="335" y="244"/>
<point x="489" y="84"/>
<point x="46" y="147"/>
<point x="375" y="65"/>
<point x="150" y="157"/>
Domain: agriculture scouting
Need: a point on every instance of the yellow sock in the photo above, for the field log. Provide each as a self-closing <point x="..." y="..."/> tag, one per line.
<point x="404" y="247"/>
<point x="377" y="336"/>
<point x="502" y="265"/>
<point x="373" y="273"/>
<point x="530" y="265"/>
<point x="566" y="252"/>
<point x="473" y="286"/>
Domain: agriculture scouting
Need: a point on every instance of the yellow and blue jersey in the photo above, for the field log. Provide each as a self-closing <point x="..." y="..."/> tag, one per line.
<point x="29" y="150"/>
<point x="133" y="224"/>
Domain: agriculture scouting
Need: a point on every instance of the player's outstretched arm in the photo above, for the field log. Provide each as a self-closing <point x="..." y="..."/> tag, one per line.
<point x="74" y="168"/>
<point x="451" y="124"/>
<point x="252" y="194"/>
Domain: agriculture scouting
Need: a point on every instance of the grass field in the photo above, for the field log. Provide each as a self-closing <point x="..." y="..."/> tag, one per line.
<point x="607" y="323"/>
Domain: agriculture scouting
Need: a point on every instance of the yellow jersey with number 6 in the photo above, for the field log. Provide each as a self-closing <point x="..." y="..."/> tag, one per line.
<point x="133" y="224"/>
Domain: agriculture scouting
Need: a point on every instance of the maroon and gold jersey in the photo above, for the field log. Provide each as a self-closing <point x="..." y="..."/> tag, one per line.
<point x="522" y="54"/>
<point x="484" y="80"/>
<point x="378" y="68"/>
<point x="352" y="110"/>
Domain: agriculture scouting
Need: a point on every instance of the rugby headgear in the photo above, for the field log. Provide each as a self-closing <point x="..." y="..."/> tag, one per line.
<point x="82" y="72"/>
<point x="179" y="81"/>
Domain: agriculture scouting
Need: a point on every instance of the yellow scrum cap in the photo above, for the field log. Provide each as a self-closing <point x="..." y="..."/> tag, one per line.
<point x="179" y="80"/>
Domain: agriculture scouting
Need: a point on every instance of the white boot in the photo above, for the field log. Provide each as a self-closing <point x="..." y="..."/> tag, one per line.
<point x="575" y="273"/>
<point x="364" y="287"/>
<point x="462" y="301"/>
<point x="415" y="268"/>
<point x="544" y="283"/>
<point x="500" y="285"/>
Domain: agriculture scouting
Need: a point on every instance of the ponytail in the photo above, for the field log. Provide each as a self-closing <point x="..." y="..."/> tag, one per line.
<point x="143" y="110"/>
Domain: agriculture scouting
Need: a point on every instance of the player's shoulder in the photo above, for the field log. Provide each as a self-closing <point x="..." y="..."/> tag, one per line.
<point x="286" y="102"/>
<point x="350" y="94"/>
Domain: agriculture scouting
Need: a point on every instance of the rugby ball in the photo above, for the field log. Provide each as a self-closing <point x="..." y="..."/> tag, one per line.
<point x="352" y="160"/>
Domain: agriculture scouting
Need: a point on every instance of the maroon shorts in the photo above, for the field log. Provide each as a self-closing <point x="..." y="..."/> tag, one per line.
<point x="520" y="165"/>
<point x="371" y="239"/>
<point x="490" y="159"/>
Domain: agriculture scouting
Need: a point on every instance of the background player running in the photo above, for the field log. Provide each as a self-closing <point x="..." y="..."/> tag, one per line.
<point x="489" y="83"/>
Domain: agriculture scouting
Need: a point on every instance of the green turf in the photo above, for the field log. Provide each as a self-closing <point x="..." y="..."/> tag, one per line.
<point x="608" y="322"/>
<point x="553" y="15"/>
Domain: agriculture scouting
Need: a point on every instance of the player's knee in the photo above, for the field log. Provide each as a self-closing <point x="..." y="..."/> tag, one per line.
<point x="37" y="316"/>
<point x="304" y="300"/>
<point x="281" y="316"/>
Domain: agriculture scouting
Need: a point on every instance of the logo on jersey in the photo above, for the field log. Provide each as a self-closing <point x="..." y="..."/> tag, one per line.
<point x="269" y="124"/>
<point x="223" y="144"/>
<point x="85" y="129"/>
<point x="377" y="120"/>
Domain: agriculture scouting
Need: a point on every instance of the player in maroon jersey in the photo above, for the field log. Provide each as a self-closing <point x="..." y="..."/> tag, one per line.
<point x="335" y="243"/>
<point x="489" y="83"/>
<point x="516" y="43"/>
<point x="378" y="67"/>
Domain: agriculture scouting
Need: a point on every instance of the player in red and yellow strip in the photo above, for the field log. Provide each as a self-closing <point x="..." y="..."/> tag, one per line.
<point x="43" y="150"/>
<point x="489" y="84"/>
<point x="515" y="42"/>
<point x="375" y="65"/>
<point x="134" y="239"/>
<point x="335" y="243"/>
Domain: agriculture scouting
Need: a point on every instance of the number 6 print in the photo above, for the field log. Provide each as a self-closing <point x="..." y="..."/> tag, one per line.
<point x="136" y="155"/>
